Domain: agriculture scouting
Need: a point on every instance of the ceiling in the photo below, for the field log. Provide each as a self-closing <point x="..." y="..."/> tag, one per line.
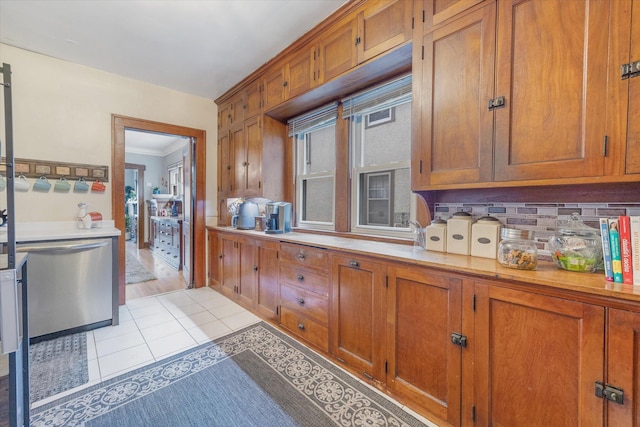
<point x="201" y="47"/>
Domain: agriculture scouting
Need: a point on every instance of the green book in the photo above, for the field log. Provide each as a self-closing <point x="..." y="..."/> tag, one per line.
<point x="616" y="259"/>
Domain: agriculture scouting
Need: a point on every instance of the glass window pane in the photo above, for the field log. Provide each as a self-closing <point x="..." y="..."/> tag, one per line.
<point x="316" y="154"/>
<point x="385" y="198"/>
<point x="317" y="199"/>
<point x="386" y="137"/>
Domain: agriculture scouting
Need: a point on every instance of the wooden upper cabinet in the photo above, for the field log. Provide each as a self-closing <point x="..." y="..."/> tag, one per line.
<point x="537" y="359"/>
<point x="553" y="78"/>
<point x="237" y="144"/>
<point x="623" y="354"/>
<point x="438" y="11"/>
<point x="457" y="80"/>
<point x="224" y="161"/>
<point x="274" y="86"/>
<point x="633" y="117"/>
<point x="253" y="157"/>
<point x="424" y="310"/>
<point x="300" y="71"/>
<point x="338" y="50"/>
<point x="224" y="116"/>
<point x="382" y="25"/>
<point x="253" y="99"/>
<point x="357" y="321"/>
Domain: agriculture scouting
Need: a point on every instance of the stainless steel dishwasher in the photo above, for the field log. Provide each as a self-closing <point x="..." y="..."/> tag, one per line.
<point x="72" y="285"/>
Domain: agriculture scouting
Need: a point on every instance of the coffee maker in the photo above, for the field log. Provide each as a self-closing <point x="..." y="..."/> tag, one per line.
<point x="278" y="217"/>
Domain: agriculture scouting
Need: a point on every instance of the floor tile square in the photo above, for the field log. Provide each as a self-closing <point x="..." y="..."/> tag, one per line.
<point x="185" y="310"/>
<point x="178" y="298"/>
<point x="162" y="330"/>
<point x="209" y="331"/>
<point x="171" y="344"/>
<point x="240" y="320"/>
<point x="124" y="360"/>
<point x="226" y="310"/>
<point x="154" y="319"/>
<point x="194" y="320"/>
<point x="108" y="332"/>
<point x="119" y="343"/>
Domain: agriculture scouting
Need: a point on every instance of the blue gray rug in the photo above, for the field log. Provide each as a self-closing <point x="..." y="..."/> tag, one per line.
<point x="255" y="377"/>
<point x="57" y="365"/>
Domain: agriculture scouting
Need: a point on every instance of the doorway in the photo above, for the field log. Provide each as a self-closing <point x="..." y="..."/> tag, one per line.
<point x="197" y="218"/>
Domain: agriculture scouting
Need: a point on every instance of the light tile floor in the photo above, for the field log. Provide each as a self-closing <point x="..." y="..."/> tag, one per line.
<point x="157" y="327"/>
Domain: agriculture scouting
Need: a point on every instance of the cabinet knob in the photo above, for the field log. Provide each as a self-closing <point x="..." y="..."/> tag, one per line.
<point x="228" y="167"/>
<point x="219" y="256"/>
<point x="354" y="264"/>
<point x="301" y="256"/>
<point x="301" y="326"/>
<point x="301" y="301"/>
<point x="244" y="163"/>
<point x="255" y="268"/>
<point x="300" y="277"/>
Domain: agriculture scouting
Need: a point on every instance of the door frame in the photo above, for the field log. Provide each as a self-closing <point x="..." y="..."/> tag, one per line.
<point x="141" y="242"/>
<point x="118" y="125"/>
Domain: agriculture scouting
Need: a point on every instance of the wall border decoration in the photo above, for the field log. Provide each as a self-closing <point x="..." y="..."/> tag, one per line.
<point x="36" y="168"/>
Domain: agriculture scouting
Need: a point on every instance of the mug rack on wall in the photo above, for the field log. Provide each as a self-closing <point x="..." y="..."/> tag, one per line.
<point x="37" y="168"/>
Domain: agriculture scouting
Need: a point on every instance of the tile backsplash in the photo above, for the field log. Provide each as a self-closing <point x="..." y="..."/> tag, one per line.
<point x="543" y="218"/>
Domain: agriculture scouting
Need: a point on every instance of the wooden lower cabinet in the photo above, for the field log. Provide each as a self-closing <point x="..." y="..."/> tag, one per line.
<point x="358" y="304"/>
<point x="537" y="359"/>
<point x="424" y="309"/>
<point x="266" y="293"/>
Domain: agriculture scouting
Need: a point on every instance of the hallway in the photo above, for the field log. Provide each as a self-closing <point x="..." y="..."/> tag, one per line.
<point x="168" y="279"/>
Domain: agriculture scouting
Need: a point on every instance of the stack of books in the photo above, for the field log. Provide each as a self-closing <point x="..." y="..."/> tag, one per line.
<point x="621" y="249"/>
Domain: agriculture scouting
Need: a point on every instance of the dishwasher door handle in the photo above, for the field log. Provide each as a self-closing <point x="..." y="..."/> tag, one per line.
<point x="62" y="248"/>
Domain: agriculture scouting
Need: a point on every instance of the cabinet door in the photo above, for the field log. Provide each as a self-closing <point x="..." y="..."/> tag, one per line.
<point x="224" y="116"/>
<point x="357" y="320"/>
<point x="267" y="283"/>
<point x="383" y="25"/>
<point x="633" y="119"/>
<point x="537" y="359"/>
<point x="253" y="157"/>
<point x="213" y="272"/>
<point x="274" y="87"/>
<point x="224" y="161"/>
<point x="457" y="81"/>
<point x="247" y="272"/>
<point x="338" y="52"/>
<point x="438" y="11"/>
<point x="228" y="256"/>
<point x="300" y="72"/>
<point x="253" y="100"/>
<point x="623" y="355"/>
<point x="238" y="159"/>
<point x="423" y="310"/>
<point x="553" y="78"/>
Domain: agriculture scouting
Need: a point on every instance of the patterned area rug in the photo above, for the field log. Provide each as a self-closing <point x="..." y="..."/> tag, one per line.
<point x="137" y="272"/>
<point x="57" y="365"/>
<point x="254" y="377"/>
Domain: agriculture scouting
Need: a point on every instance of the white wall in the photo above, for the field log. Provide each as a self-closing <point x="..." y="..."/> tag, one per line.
<point x="62" y="112"/>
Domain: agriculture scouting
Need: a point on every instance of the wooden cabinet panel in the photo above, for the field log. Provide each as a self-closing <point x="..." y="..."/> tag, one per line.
<point x="537" y="359"/>
<point x="305" y="328"/>
<point x="253" y="100"/>
<point x="423" y="310"/>
<point x="357" y="325"/>
<point x="228" y="256"/>
<point x="267" y="281"/>
<point x="457" y="127"/>
<point x="247" y="271"/>
<point x="274" y="87"/>
<point x="305" y="256"/>
<point x="633" y="119"/>
<point x="213" y="272"/>
<point x="382" y="25"/>
<point x="237" y="150"/>
<point x="224" y="161"/>
<point x="253" y="157"/>
<point x="315" y="281"/>
<point x="438" y="11"/>
<point x="552" y="77"/>
<point x="338" y="52"/>
<point x="301" y="73"/>
<point x="623" y="355"/>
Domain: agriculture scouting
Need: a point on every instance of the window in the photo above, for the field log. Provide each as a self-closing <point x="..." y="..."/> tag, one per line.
<point x="314" y="135"/>
<point x="382" y="202"/>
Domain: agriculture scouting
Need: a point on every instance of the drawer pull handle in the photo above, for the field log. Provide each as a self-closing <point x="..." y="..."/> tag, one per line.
<point x="301" y="326"/>
<point x="301" y="301"/>
<point x="300" y="277"/>
<point x="354" y="264"/>
<point x="301" y="256"/>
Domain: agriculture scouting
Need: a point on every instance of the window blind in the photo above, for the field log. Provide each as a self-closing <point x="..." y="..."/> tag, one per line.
<point x="313" y="119"/>
<point x="382" y="94"/>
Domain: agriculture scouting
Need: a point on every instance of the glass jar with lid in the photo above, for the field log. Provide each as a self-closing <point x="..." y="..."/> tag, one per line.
<point x="575" y="246"/>
<point x="517" y="249"/>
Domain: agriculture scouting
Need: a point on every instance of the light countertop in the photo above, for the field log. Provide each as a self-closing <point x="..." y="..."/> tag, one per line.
<point x="59" y="230"/>
<point x="547" y="273"/>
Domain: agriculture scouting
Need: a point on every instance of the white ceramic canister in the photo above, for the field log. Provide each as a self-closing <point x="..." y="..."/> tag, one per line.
<point x="459" y="233"/>
<point x="437" y="235"/>
<point x="485" y="237"/>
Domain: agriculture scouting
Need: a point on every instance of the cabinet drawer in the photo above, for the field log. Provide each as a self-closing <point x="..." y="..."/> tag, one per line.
<point x="305" y="278"/>
<point x="304" y="255"/>
<point x="304" y="302"/>
<point x="305" y="328"/>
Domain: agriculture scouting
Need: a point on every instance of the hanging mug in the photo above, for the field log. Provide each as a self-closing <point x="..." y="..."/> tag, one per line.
<point x="22" y="184"/>
<point x="42" y="184"/>
<point x="81" y="186"/>
<point x="62" y="186"/>
<point x="98" y="186"/>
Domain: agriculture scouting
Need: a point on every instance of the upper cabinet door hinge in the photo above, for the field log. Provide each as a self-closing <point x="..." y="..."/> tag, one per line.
<point x="629" y="70"/>
<point x="496" y="103"/>
<point x="609" y="392"/>
<point x="459" y="339"/>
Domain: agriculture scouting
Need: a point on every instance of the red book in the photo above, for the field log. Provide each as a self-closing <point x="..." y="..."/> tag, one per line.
<point x="624" y="225"/>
